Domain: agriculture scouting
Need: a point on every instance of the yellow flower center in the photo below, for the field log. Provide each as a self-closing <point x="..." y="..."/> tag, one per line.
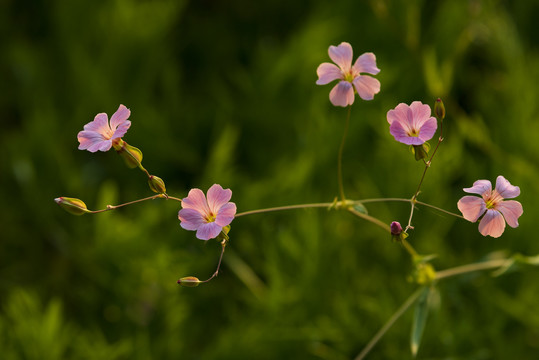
<point x="210" y="218"/>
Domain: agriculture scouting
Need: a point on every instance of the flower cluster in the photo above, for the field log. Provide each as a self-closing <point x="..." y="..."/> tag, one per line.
<point x="211" y="215"/>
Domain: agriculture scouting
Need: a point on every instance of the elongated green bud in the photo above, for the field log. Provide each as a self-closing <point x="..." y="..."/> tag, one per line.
<point x="131" y="155"/>
<point x="72" y="205"/>
<point x="189" y="281"/>
<point x="157" y="184"/>
<point x="439" y="109"/>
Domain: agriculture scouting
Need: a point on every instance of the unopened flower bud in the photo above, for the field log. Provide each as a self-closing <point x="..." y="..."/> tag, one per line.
<point x="131" y="155"/>
<point x="396" y="232"/>
<point x="157" y="184"/>
<point x="439" y="109"/>
<point x="421" y="151"/>
<point x="396" y="228"/>
<point x="189" y="281"/>
<point x="72" y="205"/>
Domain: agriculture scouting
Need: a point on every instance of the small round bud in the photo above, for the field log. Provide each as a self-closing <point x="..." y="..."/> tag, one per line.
<point x="131" y="155"/>
<point x="396" y="228"/>
<point x="189" y="281"/>
<point x="157" y="184"/>
<point x="72" y="205"/>
<point x="439" y="109"/>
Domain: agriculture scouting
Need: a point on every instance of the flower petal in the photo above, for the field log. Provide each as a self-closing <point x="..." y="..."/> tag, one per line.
<point x="327" y="73"/>
<point x="505" y="189"/>
<point x="471" y="207"/>
<point x="88" y="139"/>
<point x="428" y="129"/>
<point x="217" y="197"/>
<point x="366" y="86"/>
<point x="492" y="224"/>
<point x="400" y="131"/>
<point x="400" y="113"/>
<point x="208" y="231"/>
<point x="366" y="63"/>
<point x="196" y="200"/>
<point x="420" y="113"/>
<point x="226" y="214"/>
<point x="511" y="211"/>
<point x="342" y="94"/>
<point x="121" y="130"/>
<point x="479" y="187"/>
<point x="104" y="145"/>
<point x="342" y="55"/>
<point x="190" y="219"/>
<point x="100" y="124"/>
<point x="121" y="115"/>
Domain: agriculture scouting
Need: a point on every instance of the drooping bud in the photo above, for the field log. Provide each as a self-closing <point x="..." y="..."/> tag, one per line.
<point x="72" y="205"/>
<point x="157" y="184"/>
<point x="421" y="151"/>
<point x="189" y="281"/>
<point x="439" y="109"/>
<point x="131" y="155"/>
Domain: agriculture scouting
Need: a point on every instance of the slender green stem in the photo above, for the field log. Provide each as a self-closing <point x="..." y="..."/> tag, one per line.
<point x="223" y="245"/>
<point x="328" y="205"/>
<point x="485" y="265"/>
<point x="372" y="219"/>
<point x="113" y="207"/>
<point x="427" y="166"/>
<point x="281" y="208"/>
<point x="409" y="248"/>
<point x="409" y="302"/>
<point x="341" y="149"/>
<point x="409" y="200"/>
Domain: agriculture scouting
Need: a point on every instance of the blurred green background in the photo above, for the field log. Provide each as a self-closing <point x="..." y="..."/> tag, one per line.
<point x="224" y="92"/>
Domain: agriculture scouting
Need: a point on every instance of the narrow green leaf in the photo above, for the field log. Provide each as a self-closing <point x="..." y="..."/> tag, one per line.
<point x="359" y="207"/>
<point x="420" y="319"/>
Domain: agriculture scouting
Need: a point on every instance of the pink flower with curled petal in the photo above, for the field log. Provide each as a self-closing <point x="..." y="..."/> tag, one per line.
<point x="492" y="206"/>
<point x="411" y="125"/>
<point x="99" y="134"/>
<point x="207" y="217"/>
<point x="350" y="77"/>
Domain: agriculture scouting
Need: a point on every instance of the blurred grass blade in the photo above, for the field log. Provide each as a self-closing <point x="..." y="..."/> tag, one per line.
<point x="420" y="318"/>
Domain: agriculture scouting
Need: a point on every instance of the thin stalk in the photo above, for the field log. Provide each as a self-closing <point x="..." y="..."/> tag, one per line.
<point x="223" y="245"/>
<point x="113" y="207"/>
<point x="409" y="302"/>
<point x="287" y="207"/>
<point x="341" y="149"/>
<point x="427" y="166"/>
<point x="486" y="265"/>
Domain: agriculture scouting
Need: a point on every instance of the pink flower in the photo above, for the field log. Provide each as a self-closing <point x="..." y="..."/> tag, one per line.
<point x="492" y="206"/>
<point x="411" y="125"/>
<point x="342" y="94"/>
<point x="207" y="217"/>
<point x="99" y="134"/>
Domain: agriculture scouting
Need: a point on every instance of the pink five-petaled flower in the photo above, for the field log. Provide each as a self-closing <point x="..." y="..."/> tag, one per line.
<point x="207" y="217"/>
<point x="492" y="205"/>
<point x="99" y="134"/>
<point x="343" y="93"/>
<point x="411" y="125"/>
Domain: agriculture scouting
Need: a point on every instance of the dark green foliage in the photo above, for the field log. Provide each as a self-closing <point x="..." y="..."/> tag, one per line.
<point x="224" y="92"/>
